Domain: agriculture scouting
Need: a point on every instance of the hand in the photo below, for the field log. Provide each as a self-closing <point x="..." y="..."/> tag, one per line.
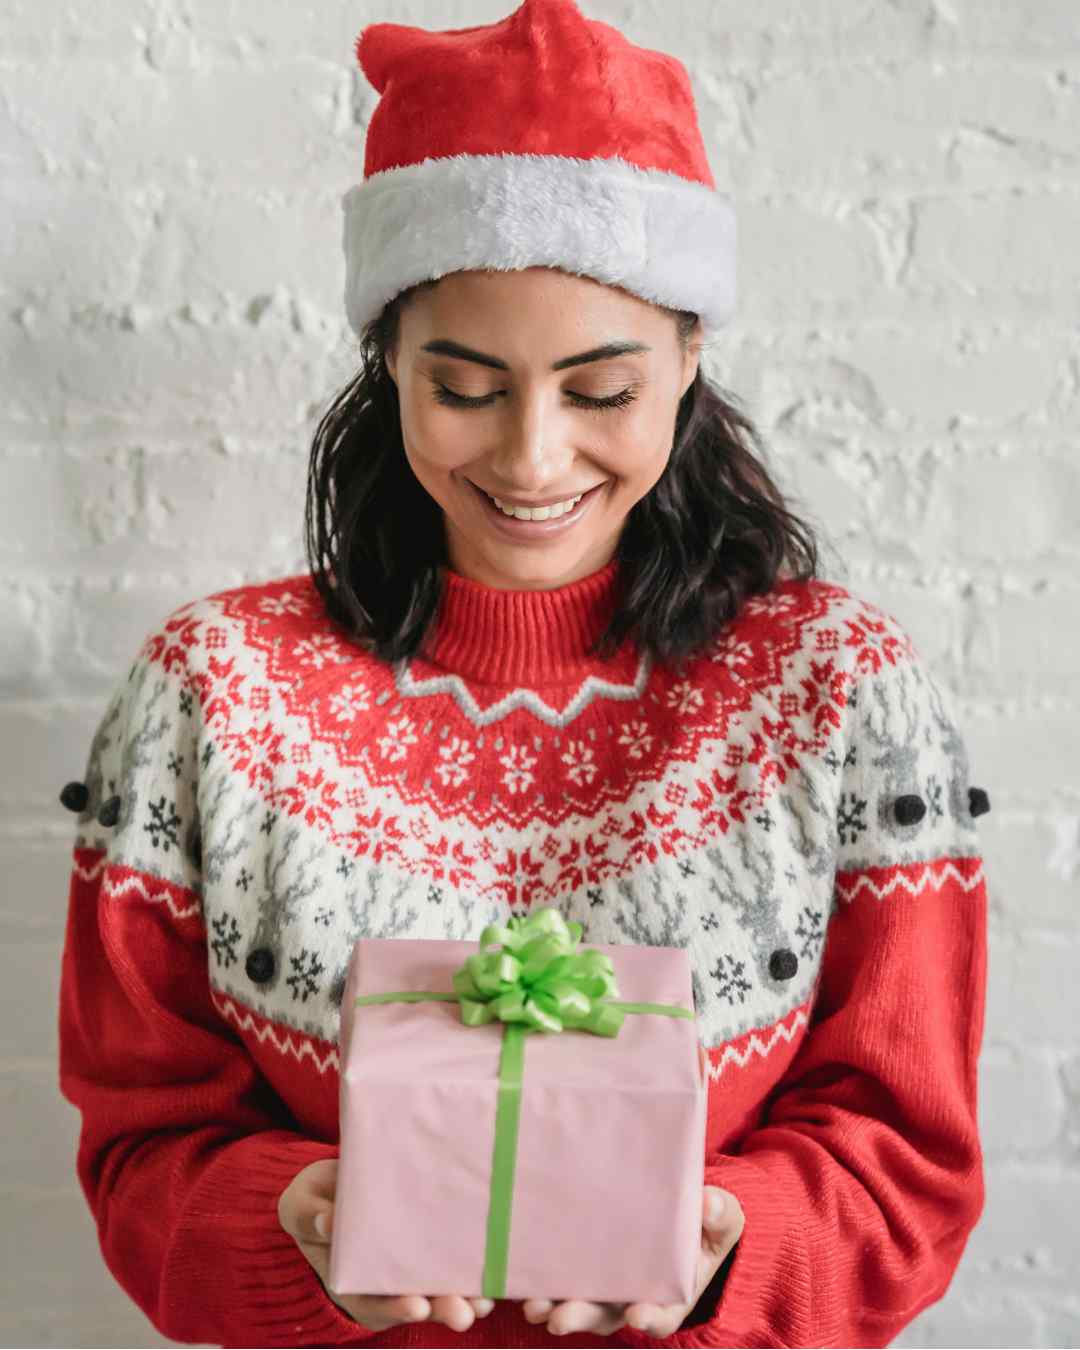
<point x="718" y="1235"/>
<point x="305" y="1211"/>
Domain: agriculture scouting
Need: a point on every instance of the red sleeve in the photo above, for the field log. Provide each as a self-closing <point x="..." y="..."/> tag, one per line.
<point x="184" y="1148"/>
<point x="865" y="1179"/>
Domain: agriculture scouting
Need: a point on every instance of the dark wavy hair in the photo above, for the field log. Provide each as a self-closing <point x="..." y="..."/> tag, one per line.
<point x="711" y="531"/>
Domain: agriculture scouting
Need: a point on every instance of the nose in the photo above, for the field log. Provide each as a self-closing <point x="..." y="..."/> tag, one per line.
<point x="537" y="453"/>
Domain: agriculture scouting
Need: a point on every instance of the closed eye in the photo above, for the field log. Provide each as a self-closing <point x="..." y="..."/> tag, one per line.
<point x="447" y="396"/>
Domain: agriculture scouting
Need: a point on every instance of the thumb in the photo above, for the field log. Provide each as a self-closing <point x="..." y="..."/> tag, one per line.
<point x="322" y="1222"/>
<point x="715" y="1207"/>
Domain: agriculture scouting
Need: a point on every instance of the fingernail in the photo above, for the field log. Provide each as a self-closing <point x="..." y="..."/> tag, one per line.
<point x="322" y="1223"/>
<point x="714" y="1206"/>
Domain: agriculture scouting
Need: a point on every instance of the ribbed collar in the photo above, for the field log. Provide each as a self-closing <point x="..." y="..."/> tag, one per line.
<point x="521" y="638"/>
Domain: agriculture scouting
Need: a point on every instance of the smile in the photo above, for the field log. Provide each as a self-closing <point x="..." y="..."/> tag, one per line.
<point x="514" y="528"/>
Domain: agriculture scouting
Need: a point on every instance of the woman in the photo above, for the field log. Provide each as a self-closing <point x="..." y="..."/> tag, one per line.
<point x="639" y="704"/>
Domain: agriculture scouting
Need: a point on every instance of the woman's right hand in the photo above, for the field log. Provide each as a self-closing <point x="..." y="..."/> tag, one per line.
<point x="308" y="1199"/>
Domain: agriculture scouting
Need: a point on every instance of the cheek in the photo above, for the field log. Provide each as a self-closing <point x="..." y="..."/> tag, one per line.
<point x="640" y="450"/>
<point x="433" y="436"/>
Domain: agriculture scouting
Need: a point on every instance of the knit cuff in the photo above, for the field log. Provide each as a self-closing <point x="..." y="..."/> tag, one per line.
<point x="738" y="1318"/>
<point x="279" y="1298"/>
<point x="730" y="1303"/>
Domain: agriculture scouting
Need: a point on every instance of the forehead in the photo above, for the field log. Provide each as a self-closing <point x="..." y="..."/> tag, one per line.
<point x="536" y="315"/>
<point x="514" y="296"/>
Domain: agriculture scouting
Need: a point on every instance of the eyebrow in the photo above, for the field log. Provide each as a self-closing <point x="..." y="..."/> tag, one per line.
<point x="444" y="347"/>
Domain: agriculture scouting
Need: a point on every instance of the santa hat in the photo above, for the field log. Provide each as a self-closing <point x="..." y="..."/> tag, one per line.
<point x="546" y="139"/>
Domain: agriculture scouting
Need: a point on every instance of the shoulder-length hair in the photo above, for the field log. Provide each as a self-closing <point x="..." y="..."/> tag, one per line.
<point x="711" y="531"/>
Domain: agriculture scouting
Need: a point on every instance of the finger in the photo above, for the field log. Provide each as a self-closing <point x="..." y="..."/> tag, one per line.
<point x="321" y="1178"/>
<point x="722" y="1219"/>
<point x="657" y="1321"/>
<point x="536" y="1309"/>
<point x="579" y="1315"/>
<point x="309" y="1222"/>
<point x="482" y="1306"/>
<point x="380" y="1313"/>
<point x="453" y="1311"/>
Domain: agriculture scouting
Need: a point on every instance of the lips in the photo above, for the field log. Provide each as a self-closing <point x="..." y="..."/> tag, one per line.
<point x="538" y="506"/>
<point x="536" y="530"/>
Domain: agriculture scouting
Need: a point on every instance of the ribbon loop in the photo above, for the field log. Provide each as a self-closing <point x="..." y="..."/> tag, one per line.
<point x="535" y="977"/>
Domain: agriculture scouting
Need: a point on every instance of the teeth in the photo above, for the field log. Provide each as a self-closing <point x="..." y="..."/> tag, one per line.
<point x="540" y="513"/>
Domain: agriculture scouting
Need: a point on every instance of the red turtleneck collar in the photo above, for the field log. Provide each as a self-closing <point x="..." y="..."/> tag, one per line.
<point x="511" y="637"/>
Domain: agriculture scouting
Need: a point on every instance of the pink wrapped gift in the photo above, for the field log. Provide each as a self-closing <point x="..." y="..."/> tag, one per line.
<point x="493" y="1146"/>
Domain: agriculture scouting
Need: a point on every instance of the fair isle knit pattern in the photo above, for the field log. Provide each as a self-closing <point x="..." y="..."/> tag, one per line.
<point x="261" y="793"/>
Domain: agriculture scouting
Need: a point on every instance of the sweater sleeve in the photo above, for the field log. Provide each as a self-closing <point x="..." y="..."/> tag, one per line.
<point x="184" y="1148"/>
<point x="864" y="1178"/>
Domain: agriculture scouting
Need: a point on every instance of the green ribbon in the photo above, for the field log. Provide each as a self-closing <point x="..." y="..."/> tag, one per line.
<point x="535" y="982"/>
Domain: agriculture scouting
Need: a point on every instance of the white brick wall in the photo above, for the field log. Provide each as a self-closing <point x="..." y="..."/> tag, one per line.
<point x="907" y="175"/>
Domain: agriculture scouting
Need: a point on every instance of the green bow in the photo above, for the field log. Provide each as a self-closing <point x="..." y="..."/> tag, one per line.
<point x="538" y="979"/>
<point x="537" y="982"/>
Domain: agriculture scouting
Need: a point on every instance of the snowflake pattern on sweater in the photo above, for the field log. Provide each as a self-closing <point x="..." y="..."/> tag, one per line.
<point x="273" y="793"/>
<point x="310" y="796"/>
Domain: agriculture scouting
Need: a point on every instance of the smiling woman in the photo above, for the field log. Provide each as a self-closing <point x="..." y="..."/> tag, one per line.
<point x="445" y="452"/>
<point x="561" y="644"/>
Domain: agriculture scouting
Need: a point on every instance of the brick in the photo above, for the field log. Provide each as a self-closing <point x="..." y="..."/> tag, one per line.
<point x="1000" y="507"/>
<point x="33" y="981"/>
<point x="1050" y="29"/>
<point x="1017" y="644"/>
<point x="1021" y="1103"/>
<point x="249" y="242"/>
<point x="990" y="1319"/>
<point x="32" y="32"/>
<point x="942" y="376"/>
<point x="50" y="743"/>
<point x="785" y="33"/>
<point x="207" y="364"/>
<point x="246" y="30"/>
<point x="1026" y="756"/>
<point x="997" y="255"/>
<point x="797" y="261"/>
<point x="1033" y="1001"/>
<point x="72" y="506"/>
<point x="64" y="235"/>
<point x="36" y="871"/>
<point x="906" y="127"/>
<point x="1032" y="864"/>
<point x="1027" y="1233"/>
<point x="224" y="126"/>
<point x="23" y="654"/>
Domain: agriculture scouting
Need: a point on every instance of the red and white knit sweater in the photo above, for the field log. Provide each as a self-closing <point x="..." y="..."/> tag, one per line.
<point x="796" y="811"/>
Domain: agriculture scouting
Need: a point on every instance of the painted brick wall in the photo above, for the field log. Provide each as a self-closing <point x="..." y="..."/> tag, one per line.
<point x="907" y="176"/>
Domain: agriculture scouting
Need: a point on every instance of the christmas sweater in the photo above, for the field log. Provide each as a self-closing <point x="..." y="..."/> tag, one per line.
<point x="794" y="808"/>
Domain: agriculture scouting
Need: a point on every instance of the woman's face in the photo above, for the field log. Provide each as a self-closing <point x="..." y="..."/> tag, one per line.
<point x="535" y="436"/>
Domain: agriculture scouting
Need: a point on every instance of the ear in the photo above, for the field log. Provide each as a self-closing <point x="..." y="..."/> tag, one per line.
<point x="690" y="366"/>
<point x="692" y="359"/>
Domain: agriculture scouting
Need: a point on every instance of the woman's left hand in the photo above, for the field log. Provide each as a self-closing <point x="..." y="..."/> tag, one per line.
<point x="719" y="1233"/>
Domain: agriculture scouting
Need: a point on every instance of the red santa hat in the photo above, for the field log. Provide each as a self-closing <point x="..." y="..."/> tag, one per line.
<point x="546" y="139"/>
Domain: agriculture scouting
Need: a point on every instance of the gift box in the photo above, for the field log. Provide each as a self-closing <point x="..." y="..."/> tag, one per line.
<point x="523" y="1119"/>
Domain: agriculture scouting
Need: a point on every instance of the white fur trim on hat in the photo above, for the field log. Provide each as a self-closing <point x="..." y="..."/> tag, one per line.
<point x="656" y="234"/>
